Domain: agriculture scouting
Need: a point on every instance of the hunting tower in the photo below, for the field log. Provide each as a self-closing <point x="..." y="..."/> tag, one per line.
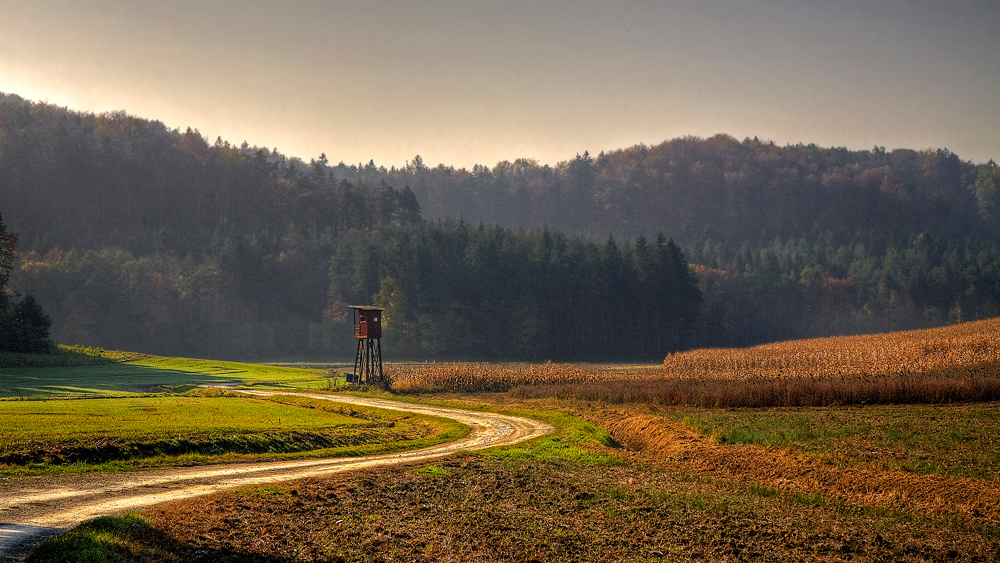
<point x="368" y="333"/>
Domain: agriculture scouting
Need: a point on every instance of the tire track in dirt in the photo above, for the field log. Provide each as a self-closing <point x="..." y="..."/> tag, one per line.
<point x="34" y="508"/>
<point x="655" y="437"/>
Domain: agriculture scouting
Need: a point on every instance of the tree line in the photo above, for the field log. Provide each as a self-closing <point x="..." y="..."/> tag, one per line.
<point x="717" y="188"/>
<point x="454" y="290"/>
<point x="813" y="286"/>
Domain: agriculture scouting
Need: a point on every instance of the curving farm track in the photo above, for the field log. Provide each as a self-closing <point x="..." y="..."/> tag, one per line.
<point x="32" y="509"/>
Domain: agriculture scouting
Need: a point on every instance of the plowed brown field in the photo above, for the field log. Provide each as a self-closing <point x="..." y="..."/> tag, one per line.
<point x="678" y="497"/>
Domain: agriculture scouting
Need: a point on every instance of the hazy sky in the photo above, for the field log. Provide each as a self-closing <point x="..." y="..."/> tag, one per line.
<point x="463" y="82"/>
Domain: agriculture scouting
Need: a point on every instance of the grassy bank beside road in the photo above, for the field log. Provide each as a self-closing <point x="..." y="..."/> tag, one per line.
<point x="129" y="433"/>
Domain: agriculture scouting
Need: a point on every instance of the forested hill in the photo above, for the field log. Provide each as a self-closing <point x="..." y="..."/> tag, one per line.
<point x="139" y="237"/>
<point x="719" y="188"/>
<point x="73" y="180"/>
<point x="121" y="180"/>
<point x="134" y="235"/>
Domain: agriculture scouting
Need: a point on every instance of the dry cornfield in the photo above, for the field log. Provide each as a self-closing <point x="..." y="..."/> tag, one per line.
<point x="474" y="377"/>
<point x="938" y="350"/>
<point x="948" y="364"/>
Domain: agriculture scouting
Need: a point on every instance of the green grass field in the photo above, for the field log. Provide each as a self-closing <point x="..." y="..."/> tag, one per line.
<point x="73" y="372"/>
<point x="49" y="436"/>
<point x="30" y="422"/>
<point x="82" y="410"/>
<point x="957" y="440"/>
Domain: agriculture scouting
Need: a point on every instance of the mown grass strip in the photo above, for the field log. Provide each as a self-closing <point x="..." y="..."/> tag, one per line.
<point x="40" y="422"/>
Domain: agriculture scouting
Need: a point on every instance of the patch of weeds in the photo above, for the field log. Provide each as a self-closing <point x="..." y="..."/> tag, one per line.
<point x="694" y="422"/>
<point x="762" y="491"/>
<point x="691" y="502"/>
<point x="333" y="382"/>
<point x="264" y="491"/>
<point x="433" y="471"/>
<point x="920" y="467"/>
<point x="210" y="392"/>
<point x="617" y="493"/>
<point x="819" y="501"/>
<point x="810" y="499"/>
<point x="100" y="540"/>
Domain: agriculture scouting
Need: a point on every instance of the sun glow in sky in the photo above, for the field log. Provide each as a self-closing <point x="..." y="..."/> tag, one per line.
<point x="461" y="82"/>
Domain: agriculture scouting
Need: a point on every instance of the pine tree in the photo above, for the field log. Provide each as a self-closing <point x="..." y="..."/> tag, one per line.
<point x="23" y="325"/>
<point x="30" y="327"/>
<point x="8" y="242"/>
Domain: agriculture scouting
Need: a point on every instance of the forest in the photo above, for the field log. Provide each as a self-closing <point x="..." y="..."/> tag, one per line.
<point x="133" y="235"/>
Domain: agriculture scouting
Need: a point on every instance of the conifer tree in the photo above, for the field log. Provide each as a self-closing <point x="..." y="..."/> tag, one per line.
<point x="8" y="242"/>
<point x="23" y="325"/>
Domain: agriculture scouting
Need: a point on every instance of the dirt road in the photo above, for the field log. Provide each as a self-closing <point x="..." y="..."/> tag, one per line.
<point x="34" y="508"/>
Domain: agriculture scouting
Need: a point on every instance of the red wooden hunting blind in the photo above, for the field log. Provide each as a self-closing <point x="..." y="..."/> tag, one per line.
<point x="368" y="333"/>
<point x="368" y="322"/>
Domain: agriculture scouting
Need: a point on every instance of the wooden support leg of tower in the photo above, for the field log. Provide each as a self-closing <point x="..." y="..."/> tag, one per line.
<point x="368" y="363"/>
<point x="375" y="368"/>
<point x="359" y="365"/>
<point x="369" y="367"/>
